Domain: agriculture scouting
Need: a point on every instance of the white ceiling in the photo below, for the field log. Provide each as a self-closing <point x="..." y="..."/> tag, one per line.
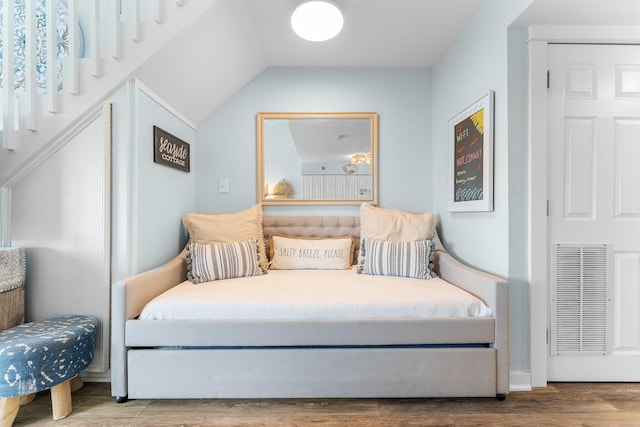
<point x="581" y="12"/>
<point x="237" y="39"/>
<point x="409" y="33"/>
<point x="376" y="33"/>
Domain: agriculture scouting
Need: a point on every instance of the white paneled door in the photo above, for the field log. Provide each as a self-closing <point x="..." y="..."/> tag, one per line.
<point x="594" y="213"/>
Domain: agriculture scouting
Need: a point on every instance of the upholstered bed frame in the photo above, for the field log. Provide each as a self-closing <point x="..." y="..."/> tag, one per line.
<point x="328" y="358"/>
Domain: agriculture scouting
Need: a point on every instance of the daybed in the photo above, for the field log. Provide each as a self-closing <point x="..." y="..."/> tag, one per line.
<point x="353" y="356"/>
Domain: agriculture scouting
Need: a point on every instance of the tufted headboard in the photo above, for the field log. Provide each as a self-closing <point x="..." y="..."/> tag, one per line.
<point x="323" y="226"/>
<point x="313" y="226"/>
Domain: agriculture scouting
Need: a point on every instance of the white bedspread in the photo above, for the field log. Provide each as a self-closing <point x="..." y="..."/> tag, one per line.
<point x="314" y="295"/>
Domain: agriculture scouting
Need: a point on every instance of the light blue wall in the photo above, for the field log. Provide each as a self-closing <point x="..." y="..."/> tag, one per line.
<point x="164" y="194"/>
<point x="476" y="63"/>
<point x="227" y="139"/>
<point x="519" y="197"/>
<point x="148" y="199"/>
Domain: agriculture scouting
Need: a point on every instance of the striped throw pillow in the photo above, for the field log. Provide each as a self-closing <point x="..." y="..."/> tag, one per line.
<point x="218" y="261"/>
<point x="397" y="258"/>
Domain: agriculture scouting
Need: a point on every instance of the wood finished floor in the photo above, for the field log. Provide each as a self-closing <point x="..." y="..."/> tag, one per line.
<point x="559" y="404"/>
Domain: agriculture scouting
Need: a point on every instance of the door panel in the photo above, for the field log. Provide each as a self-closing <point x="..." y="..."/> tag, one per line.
<point x="594" y="192"/>
<point x="627" y="184"/>
<point x="579" y="164"/>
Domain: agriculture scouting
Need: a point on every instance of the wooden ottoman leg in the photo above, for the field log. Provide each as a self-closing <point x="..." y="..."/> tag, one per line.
<point x="27" y="398"/>
<point x="8" y="410"/>
<point x="61" y="400"/>
<point x="76" y="383"/>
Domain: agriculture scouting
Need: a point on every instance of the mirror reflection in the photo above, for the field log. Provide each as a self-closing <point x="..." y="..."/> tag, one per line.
<point x="317" y="158"/>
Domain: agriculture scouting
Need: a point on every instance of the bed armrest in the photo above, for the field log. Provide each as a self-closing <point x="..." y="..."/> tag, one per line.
<point x="483" y="285"/>
<point x="128" y="298"/>
<point x="135" y="292"/>
<point x="494" y="291"/>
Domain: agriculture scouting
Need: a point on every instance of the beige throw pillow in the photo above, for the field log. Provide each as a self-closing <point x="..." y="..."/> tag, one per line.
<point x="227" y="227"/>
<point x="390" y="225"/>
<point x="395" y="225"/>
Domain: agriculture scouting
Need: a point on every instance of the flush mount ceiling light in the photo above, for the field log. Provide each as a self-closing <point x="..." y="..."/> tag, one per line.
<point x="317" y="21"/>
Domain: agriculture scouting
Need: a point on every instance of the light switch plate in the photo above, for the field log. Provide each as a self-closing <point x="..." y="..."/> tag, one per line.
<point x="223" y="185"/>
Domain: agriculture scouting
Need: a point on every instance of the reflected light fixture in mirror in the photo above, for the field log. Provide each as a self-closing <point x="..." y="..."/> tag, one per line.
<point x="317" y="21"/>
<point x="361" y="158"/>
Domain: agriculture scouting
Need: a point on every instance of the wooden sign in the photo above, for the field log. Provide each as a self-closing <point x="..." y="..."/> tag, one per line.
<point x="171" y="151"/>
<point x="471" y="150"/>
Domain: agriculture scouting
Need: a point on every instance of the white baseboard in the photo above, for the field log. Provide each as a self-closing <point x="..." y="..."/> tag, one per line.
<point x="520" y="381"/>
<point x="96" y="377"/>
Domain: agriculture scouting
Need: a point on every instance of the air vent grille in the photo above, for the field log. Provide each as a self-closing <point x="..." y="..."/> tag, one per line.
<point x="581" y="302"/>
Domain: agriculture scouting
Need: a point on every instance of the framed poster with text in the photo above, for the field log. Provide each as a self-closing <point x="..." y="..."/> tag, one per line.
<point x="471" y="157"/>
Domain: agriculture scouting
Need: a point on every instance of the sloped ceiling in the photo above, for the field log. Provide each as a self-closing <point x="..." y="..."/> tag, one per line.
<point x="376" y="33"/>
<point x="205" y="65"/>
<point x="237" y="39"/>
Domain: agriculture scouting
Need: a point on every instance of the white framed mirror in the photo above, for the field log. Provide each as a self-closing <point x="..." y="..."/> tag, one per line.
<point x="317" y="158"/>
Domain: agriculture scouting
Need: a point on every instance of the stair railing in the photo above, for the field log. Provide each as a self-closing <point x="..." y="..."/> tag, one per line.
<point x="32" y="40"/>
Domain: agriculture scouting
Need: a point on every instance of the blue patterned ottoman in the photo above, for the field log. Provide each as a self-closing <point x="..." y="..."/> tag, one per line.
<point x="44" y="355"/>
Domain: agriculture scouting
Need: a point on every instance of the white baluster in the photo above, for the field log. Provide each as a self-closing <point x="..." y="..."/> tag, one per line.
<point x="115" y="7"/>
<point x="52" y="57"/>
<point x="8" y="81"/>
<point x="31" y="100"/>
<point x="94" y="38"/>
<point x="135" y="18"/>
<point x="71" y="81"/>
<point x="156" y="11"/>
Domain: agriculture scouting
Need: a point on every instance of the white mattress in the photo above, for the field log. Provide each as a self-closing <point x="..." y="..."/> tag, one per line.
<point x="314" y="295"/>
